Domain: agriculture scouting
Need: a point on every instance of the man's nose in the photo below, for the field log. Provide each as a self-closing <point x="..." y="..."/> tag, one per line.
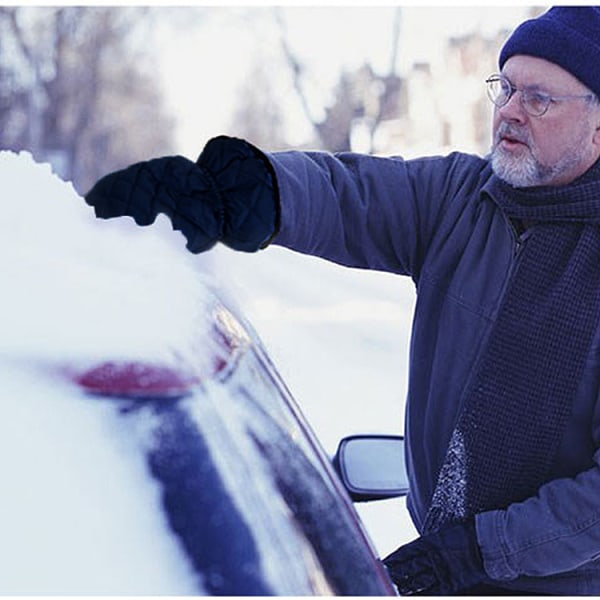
<point x="513" y="110"/>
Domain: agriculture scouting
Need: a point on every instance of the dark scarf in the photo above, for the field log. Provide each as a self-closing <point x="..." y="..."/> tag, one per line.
<point x="520" y="396"/>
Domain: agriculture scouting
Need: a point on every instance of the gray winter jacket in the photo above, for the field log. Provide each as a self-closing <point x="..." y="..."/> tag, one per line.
<point x="433" y="220"/>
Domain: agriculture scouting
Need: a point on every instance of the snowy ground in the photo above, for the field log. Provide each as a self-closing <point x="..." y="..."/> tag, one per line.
<point x="339" y="338"/>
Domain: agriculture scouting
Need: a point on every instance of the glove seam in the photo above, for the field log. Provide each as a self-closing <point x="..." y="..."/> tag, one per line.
<point x="219" y="194"/>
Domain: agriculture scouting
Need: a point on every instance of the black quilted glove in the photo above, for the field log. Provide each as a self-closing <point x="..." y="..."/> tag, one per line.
<point x="229" y="195"/>
<point x="438" y="564"/>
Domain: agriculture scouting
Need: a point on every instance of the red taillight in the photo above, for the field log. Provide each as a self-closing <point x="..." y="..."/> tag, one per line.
<point x="136" y="380"/>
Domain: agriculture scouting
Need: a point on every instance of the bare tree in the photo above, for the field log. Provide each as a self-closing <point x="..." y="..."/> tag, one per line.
<point x="75" y="89"/>
<point x="360" y="96"/>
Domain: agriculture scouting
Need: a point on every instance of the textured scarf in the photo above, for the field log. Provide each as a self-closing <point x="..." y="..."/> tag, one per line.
<point x="520" y="395"/>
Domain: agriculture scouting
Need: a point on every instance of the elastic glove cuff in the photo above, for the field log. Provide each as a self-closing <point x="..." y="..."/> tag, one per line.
<point x="246" y="183"/>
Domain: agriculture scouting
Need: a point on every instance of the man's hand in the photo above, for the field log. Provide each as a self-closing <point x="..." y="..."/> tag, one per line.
<point x="442" y="563"/>
<point x="172" y="185"/>
<point x="228" y="195"/>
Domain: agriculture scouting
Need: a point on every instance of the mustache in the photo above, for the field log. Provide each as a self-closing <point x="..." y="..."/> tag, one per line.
<point x="514" y="132"/>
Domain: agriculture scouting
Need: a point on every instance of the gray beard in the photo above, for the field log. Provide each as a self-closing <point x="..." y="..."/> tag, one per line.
<point x="524" y="171"/>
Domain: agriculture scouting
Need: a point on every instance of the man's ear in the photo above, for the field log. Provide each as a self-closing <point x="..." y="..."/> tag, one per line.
<point x="596" y="136"/>
<point x="596" y="120"/>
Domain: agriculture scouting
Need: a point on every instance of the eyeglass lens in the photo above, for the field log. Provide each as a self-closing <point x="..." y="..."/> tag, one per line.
<point x="500" y="91"/>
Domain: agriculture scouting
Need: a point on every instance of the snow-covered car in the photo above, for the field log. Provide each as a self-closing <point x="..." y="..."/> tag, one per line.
<point x="148" y="445"/>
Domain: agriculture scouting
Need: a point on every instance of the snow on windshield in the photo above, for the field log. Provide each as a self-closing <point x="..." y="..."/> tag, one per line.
<point x="79" y="512"/>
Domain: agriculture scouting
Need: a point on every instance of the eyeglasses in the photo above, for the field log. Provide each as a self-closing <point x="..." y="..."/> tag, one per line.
<point x="500" y="90"/>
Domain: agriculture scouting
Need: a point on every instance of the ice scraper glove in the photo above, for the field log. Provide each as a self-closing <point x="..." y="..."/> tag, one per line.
<point x="228" y="195"/>
<point x="438" y="564"/>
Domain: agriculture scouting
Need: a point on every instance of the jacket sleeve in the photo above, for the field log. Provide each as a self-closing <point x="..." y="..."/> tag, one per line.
<point x="556" y="531"/>
<point x="360" y="210"/>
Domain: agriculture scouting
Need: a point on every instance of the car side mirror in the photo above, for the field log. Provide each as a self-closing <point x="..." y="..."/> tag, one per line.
<point x="372" y="467"/>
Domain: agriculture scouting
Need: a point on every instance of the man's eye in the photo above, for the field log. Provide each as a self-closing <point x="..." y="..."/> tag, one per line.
<point x="537" y="100"/>
<point x="504" y="88"/>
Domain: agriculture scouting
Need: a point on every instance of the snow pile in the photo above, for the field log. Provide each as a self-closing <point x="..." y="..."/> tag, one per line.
<point x="78" y="287"/>
<point x="79" y="513"/>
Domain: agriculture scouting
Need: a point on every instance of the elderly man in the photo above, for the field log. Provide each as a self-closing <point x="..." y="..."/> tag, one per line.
<point x="503" y="417"/>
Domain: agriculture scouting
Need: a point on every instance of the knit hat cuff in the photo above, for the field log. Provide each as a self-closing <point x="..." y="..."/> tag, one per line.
<point x="559" y="44"/>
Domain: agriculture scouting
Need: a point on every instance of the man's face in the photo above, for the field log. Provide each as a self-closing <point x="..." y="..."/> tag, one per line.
<point x="555" y="148"/>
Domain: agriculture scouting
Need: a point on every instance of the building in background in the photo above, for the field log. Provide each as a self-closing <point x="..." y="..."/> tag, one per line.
<point x="440" y="107"/>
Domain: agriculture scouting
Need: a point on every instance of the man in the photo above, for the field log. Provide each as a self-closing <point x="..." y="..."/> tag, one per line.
<point x="503" y="418"/>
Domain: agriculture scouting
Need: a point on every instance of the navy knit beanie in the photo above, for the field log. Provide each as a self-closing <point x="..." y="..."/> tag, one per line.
<point x="568" y="36"/>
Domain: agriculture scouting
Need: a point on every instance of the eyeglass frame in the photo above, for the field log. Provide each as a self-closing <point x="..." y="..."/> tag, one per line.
<point x="548" y="98"/>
